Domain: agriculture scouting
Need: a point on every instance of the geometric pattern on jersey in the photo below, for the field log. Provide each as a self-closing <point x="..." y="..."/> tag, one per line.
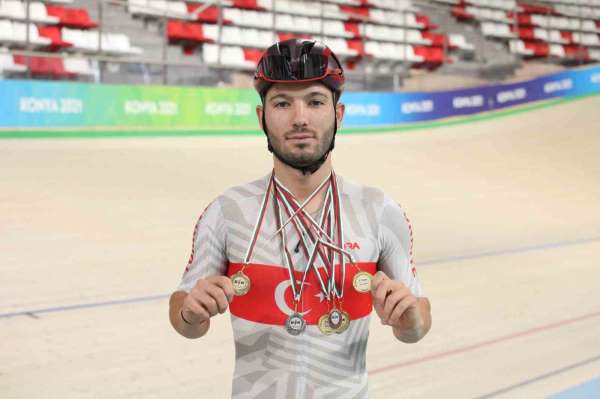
<point x="271" y="363"/>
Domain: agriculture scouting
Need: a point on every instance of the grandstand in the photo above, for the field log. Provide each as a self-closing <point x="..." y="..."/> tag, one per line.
<point x="383" y="43"/>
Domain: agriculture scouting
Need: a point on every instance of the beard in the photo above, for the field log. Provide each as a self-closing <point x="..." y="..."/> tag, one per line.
<point x="301" y="157"/>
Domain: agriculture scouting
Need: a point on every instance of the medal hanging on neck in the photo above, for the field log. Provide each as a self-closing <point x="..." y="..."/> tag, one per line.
<point x="240" y="281"/>
<point x="295" y="324"/>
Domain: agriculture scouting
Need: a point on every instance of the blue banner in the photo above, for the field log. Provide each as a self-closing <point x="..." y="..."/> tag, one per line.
<point x="54" y="105"/>
<point x="377" y="109"/>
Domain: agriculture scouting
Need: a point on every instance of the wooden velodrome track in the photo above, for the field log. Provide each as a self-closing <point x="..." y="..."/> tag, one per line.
<point x="506" y="214"/>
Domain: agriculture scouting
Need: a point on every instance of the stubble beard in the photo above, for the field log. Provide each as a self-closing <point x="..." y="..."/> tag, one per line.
<point x="306" y="162"/>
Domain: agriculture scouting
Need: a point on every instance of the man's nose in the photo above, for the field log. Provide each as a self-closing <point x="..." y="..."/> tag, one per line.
<point x="300" y="115"/>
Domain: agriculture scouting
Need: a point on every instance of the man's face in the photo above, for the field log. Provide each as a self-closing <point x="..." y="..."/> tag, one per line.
<point x="300" y="121"/>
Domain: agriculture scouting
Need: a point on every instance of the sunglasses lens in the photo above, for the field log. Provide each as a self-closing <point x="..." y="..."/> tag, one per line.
<point x="278" y="67"/>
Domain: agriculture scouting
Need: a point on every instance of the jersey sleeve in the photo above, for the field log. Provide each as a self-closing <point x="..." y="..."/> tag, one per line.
<point x="208" y="257"/>
<point x="395" y="243"/>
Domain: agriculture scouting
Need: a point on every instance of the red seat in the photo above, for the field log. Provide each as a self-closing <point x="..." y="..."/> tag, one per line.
<point x="71" y="17"/>
<point x="539" y="49"/>
<point x="353" y="28"/>
<point x="577" y="52"/>
<point x="424" y="19"/>
<point x="537" y="9"/>
<point x="45" y="66"/>
<point x="434" y="56"/>
<point x="53" y="33"/>
<point x="567" y="36"/>
<point x="248" y="5"/>
<point x="253" y="55"/>
<point x="287" y="36"/>
<point x="437" y="39"/>
<point x="461" y="13"/>
<point x="210" y="14"/>
<point x="355" y="13"/>
<point x="357" y="45"/>
<point x="186" y="31"/>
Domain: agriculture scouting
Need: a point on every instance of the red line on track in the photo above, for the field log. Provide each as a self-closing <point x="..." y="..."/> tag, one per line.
<point x="485" y="343"/>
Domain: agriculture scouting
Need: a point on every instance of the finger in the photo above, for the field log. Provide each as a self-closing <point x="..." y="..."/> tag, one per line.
<point x="194" y="312"/>
<point x="377" y="279"/>
<point x="209" y="303"/>
<point x="391" y="301"/>
<point x="217" y="293"/>
<point x="225" y="283"/>
<point x="400" y="309"/>
<point x="379" y="295"/>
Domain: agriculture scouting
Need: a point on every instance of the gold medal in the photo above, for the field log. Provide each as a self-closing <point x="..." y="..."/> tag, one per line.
<point x="241" y="283"/>
<point x="324" y="326"/>
<point x="344" y="324"/>
<point x="362" y="282"/>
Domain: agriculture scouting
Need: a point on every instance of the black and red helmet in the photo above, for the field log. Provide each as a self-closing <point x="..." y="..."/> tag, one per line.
<point x="296" y="61"/>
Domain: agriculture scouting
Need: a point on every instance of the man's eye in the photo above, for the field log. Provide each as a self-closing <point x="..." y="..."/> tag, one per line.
<point x="316" y="103"/>
<point x="281" y="104"/>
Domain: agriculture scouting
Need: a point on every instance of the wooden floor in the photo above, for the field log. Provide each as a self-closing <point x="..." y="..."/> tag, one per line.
<point x="506" y="217"/>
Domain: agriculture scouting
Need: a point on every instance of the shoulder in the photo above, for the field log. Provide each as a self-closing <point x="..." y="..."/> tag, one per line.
<point x="368" y="195"/>
<point x="243" y="192"/>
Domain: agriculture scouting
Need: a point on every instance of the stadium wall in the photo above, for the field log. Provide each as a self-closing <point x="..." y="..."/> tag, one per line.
<point x="37" y="108"/>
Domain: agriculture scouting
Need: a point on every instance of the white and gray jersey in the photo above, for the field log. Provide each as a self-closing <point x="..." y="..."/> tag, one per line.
<point x="271" y="363"/>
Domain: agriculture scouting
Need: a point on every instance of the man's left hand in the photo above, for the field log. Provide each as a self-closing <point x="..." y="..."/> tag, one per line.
<point x="396" y="306"/>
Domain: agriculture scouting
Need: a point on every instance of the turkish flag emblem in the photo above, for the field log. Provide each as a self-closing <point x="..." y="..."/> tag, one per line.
<point x="270" y="299"/>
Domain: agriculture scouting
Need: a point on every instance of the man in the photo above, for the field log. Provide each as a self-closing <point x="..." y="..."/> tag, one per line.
<point x="301" y="256"/>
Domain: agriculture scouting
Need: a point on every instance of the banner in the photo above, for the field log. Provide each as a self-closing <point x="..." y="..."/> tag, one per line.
<point x="56" y="105"/>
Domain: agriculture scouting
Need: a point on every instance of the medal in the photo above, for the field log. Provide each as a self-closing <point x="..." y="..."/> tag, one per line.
<point x="295" y="324"/>
<point x="241" y="283"/>
<point x="324" y="326"/>
<point x="335" y="318"/>
<point x="344" y="324"/>
<point x="362" y="282"/>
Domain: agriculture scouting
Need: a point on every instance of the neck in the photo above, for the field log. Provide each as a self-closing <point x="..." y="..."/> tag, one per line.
<point x="302" y="186"/>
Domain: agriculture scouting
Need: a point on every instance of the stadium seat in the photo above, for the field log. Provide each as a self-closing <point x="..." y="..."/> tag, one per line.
<point x="19" y="34"/>
<point x="54" y="34"/>
<point x="71" y="17"/>
<point x="79" y="66"/>
<point x="7" y="64"/>
<point x="44" y="66"/>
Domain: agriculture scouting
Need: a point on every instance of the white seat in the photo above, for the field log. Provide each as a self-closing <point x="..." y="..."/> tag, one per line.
<point x="210" y="53"/>
<point x="20" y="34"/>
<point x="158" y="7"/>
<point x="518" y="47"/>
<point x="211" y="31"/>
<point x="257" y="19"/>
<point x="594" y="54"/>
<point x="38" y="13"/>
<point x="232" y="14"/>
<point x="119" y="43"/>
<point x="234" y="56"/>
<point x="557" y="50"/>
<point x="7" y="64"/>
<point x="541" y="34"/>
<point x="458" y="40"/>
<point x="231" y="35"/>
<point x="339" y="46"/>
<point x="78" y="66"/>
<point x="6" y="32"/>
<point x="177" y="9"/>
<point x="12" y="9"/>
<point x="335" y="28"/>
<point x="284" y="23"/>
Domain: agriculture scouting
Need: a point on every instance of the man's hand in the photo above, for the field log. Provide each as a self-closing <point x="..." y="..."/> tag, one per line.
<point x="396" y="306"/>
<point x="209" y="296"/>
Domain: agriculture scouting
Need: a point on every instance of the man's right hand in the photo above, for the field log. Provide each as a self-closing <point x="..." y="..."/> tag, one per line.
<point x="209" y="296"/>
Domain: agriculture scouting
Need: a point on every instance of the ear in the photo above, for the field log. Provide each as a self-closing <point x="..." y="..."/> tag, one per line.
<point x="339" y="113"/>
<point x="259" y="115"/>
